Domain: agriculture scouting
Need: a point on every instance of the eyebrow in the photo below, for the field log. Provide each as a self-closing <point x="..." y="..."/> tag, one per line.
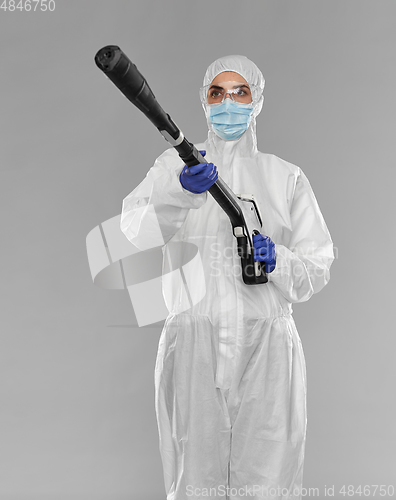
<point x="234" y="87"/>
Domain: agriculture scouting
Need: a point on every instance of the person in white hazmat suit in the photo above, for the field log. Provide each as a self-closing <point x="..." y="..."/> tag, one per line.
<point x="230" y="377"/>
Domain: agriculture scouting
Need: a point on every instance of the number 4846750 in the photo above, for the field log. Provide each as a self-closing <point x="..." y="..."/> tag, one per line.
<point x="27" y="5"/>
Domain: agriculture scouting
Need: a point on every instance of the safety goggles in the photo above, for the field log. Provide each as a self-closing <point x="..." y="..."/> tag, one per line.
<point x="239" y="92"/>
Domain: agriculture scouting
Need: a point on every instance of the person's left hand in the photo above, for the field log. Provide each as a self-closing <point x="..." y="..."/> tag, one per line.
<point x="264" y="251"/>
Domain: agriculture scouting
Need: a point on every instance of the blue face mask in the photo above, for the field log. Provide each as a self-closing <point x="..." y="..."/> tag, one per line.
<point x="230" y="120"/>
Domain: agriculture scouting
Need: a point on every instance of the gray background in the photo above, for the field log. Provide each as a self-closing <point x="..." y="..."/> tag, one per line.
<point x="76" y="383"/>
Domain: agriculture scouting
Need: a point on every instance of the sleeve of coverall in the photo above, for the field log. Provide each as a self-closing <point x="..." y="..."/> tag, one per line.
<point x="303" y="267"/>
<point x="156" y="209"/>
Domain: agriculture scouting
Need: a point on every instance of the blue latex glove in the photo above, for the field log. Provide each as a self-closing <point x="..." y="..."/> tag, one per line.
<point x="264" y="251"/>
<point x="199" y="178"/>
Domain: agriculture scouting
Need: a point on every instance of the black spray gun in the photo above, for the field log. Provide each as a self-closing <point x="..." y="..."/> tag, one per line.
<point x="125" y="75"/>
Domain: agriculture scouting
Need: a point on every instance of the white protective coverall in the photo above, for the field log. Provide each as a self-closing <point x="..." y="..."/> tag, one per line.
<point x="230" y="378"/>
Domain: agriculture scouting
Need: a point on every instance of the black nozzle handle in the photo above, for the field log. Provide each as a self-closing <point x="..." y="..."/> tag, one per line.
<point x="125" y="75"/>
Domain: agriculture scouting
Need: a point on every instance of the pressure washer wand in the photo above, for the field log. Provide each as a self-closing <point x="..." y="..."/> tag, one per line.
<point x="125" y="75"/>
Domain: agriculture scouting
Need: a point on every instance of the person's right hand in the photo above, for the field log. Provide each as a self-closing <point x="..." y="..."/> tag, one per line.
<point x="199" y="178"/>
